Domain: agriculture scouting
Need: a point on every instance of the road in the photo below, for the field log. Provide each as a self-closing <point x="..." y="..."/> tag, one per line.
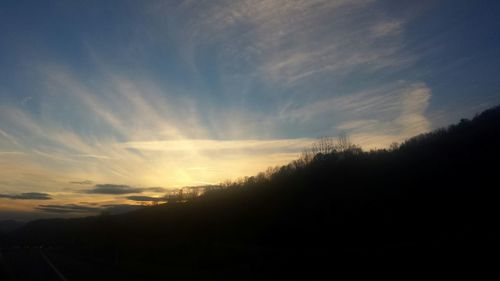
<point x="34" y="264"/>
<point x="28" y="265"/>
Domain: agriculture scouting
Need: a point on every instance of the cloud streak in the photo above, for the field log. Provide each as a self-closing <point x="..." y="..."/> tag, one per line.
<point x="79" y="209"/>
<point x="27" y="196"/>
<point x="117" y="189"/>
<point x="84" y="182"/>
<point x="68" y="208"/>
<point x="224" y="145"/>
<point x="145" y="198"/>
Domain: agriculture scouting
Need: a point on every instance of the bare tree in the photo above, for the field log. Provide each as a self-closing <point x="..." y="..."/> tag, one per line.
<point x="394" y="146"/>
<point x="344" y="143"/>
<point x="327" y="145"/>
<point x="324" y="145"/>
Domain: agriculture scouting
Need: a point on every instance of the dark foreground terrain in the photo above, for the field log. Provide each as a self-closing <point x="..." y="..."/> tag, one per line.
<point x="428" y="208"/>
<point x="38" y="264"/>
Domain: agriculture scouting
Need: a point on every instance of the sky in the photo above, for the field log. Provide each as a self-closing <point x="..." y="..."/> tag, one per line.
<point x="105" y="104"/>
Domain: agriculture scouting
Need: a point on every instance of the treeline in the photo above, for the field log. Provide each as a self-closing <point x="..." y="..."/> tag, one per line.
<point x="429" y="203"/>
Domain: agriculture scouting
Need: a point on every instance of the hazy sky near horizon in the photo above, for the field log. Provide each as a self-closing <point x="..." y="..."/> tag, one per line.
<point x="103" y="100"/>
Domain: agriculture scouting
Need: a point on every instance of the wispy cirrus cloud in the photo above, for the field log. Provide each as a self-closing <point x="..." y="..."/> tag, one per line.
<point x="387" y="28"/>
<point x="407" y="111"/>
<point x="8" y="137"/>
<point x="290" y="42"/>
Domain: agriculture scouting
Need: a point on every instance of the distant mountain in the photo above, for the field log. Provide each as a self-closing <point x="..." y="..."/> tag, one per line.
<point x="428" y="205"/>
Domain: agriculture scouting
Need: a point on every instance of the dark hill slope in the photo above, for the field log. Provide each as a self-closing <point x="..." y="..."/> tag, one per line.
<point x="432" y="203"/>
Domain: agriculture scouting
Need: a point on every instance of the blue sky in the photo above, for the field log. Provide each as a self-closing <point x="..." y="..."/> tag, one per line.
<point x="143" y="94"/>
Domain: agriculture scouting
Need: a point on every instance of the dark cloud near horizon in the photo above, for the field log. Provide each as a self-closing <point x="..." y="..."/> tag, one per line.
<point x="140" y="198"/>
<point x="85" y="209"/>
<point x="27" y="196"/>
<point x="90" y="203"/>
<point x="68" y="208"/>
<point x="115" y="209"/>
<point x="117" y="189"/>
<point x="155" y="189"/>
<point x="202" y="187"/>
<point x="82" y="182"/>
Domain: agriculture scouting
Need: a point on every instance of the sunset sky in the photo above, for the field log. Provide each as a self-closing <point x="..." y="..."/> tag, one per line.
<point x="105" y="103"/>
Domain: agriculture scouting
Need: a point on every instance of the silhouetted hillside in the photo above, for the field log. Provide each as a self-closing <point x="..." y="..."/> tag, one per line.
<point x="430" y="203"/>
